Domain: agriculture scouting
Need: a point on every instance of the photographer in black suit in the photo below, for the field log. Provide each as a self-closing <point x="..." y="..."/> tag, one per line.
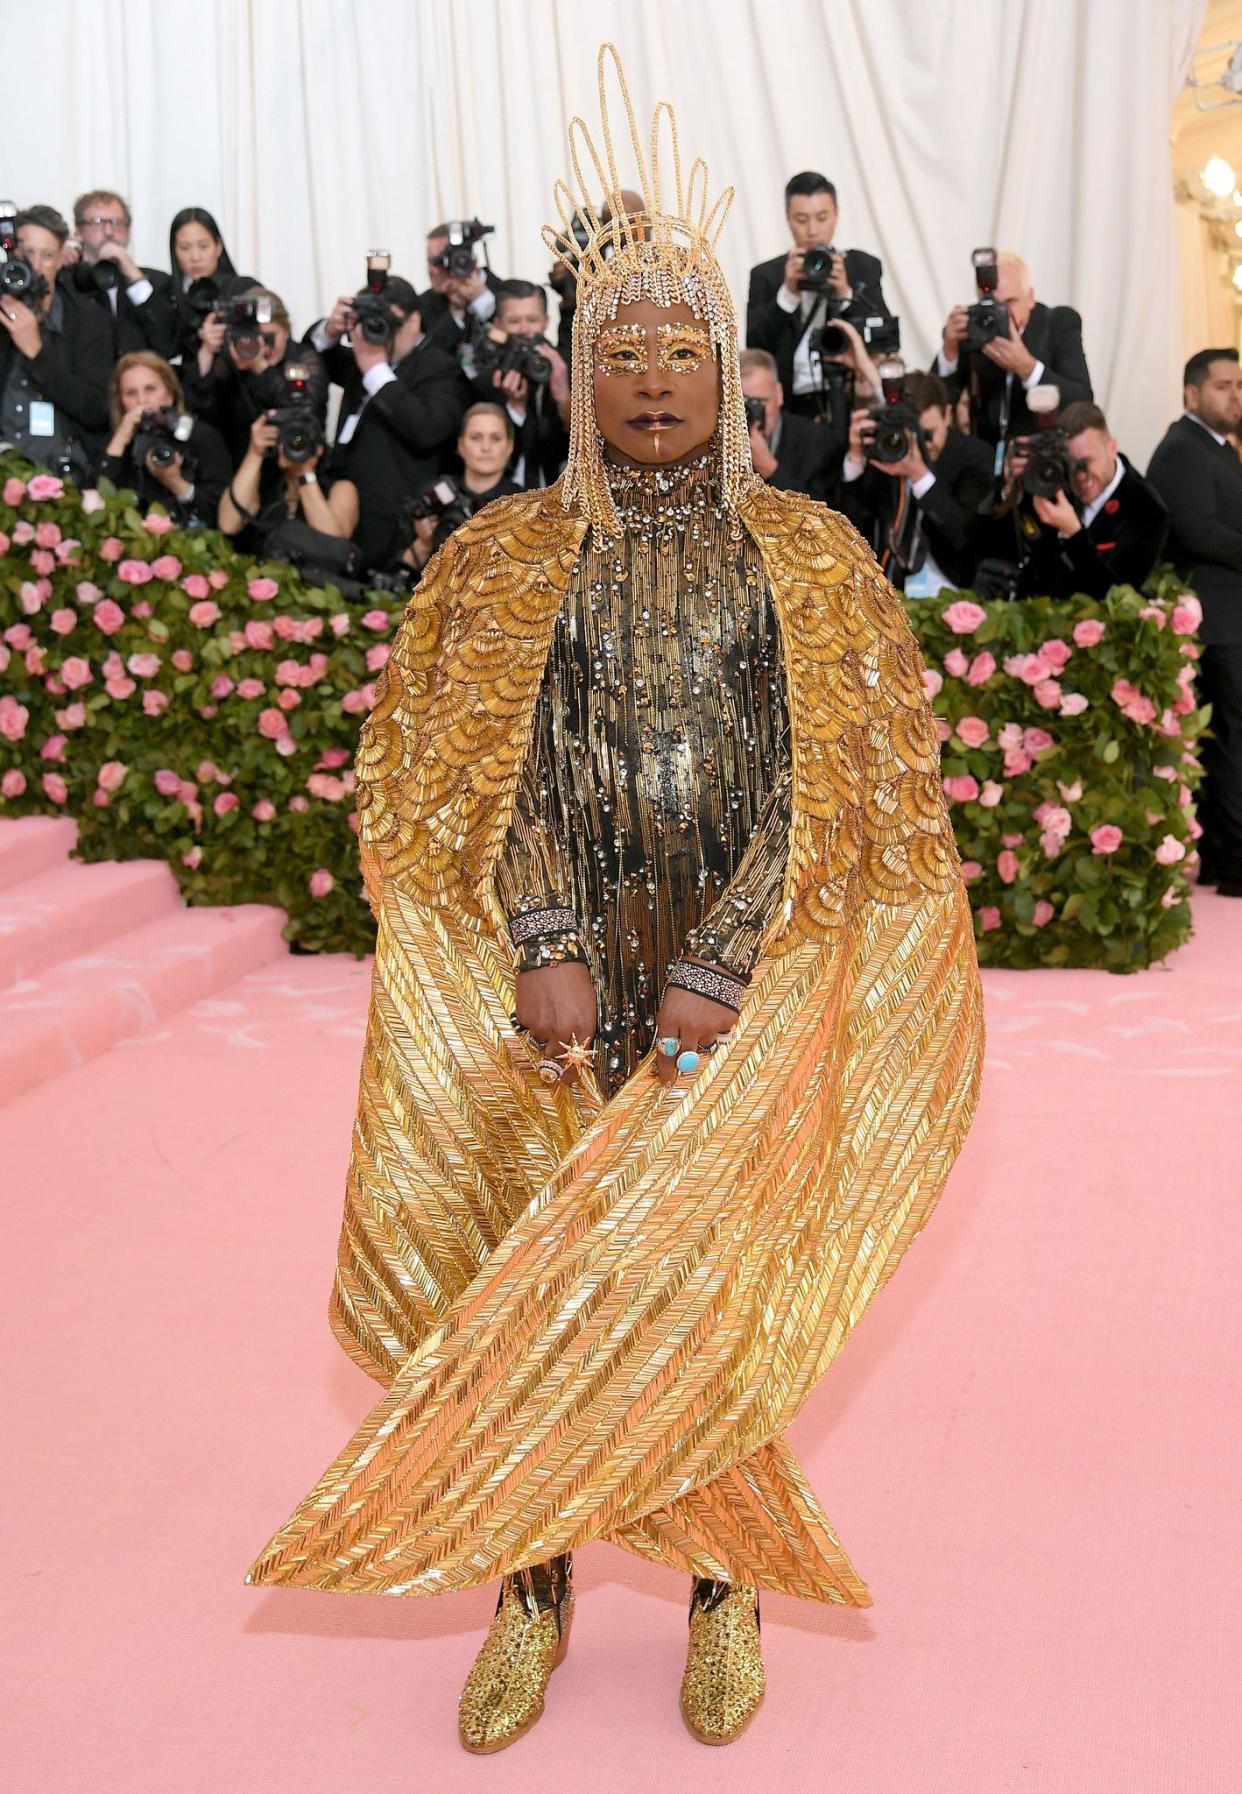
<point x="796" y="293"/>
<point x="239" y="372"/>
<point x="55" y="356"/>
<point x="402" y="401"/>
<point x="1197" y="473"/>
<point x="454" y="304"/>
<point x="539" y="409"/>
<point x="919" y="512"/>
<point x="142" y="309"/>
<point x="791" y="453"/>
<point x="1041" y="347"/>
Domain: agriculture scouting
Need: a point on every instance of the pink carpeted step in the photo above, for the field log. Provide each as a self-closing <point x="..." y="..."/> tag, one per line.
<point x="78" y="1007"/>
<point x="30" y="844"/>
<point x="70" y="908"/>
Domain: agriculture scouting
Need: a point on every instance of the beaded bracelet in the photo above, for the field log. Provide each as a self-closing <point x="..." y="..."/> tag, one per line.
<point x="707" y="981"/>
<point x="546" y="937"/>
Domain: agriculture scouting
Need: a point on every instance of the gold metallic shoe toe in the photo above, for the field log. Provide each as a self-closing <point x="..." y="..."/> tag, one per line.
<point x="504" y="1692"/>
<point x="723" y="1683"/>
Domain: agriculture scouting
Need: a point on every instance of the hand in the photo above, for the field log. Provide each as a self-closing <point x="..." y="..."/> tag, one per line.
<point x="463" y="290"/>
<point x="514" y="386"/>
<point x="555" y="1005"/>
<point x="1016" y="457"/>
<point x="23" y="326"/>
<point x="337" y="321"/>
<point x="862" y="429"/>
<point x="211" y="333"/>
<point x="912" y="466"/>
<point x="70" y="252"/>
<point x="792" y="277"/>
<point x="258" y="363"/>
<point x="262" y="435"/>
<point x="954" y="333"/>
<point x="1011" y="353"/>
<point x="126" y="430"/>
<point x="838" y="281"/>
<point x="1058" y="513"/>
<point x="117" y="252"/>
<point x="761" y="455"/>
<point x="368" y="355"/>
<point x="558" y="385"/>
<point x="866" y="374"/>
<point x="297" y="468"/>
<point x="171" y="477"/>
<point x="693" y="1020"/>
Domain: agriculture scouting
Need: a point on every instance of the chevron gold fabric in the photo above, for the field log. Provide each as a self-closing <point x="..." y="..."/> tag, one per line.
<point x="595" y="1319"/>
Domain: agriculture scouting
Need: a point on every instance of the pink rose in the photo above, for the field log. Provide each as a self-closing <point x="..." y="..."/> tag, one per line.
<point x="1071" y="793"/>
<point x="47" y="535"/>
<point x="87" y="592"/>
<point x="1054" y="820"/>
<point x="262" y="589"/>
<point x="273" y="724"/>
<point x="331" y="758"/>
<point x="250" y="688"/>
<point x="72" y="717"/>
<point x="154" y="703"/>
<point x="108" y="616"/>
<point x="932" y="680"/>
<point x="1036" y="741"/>
<point x="182" y="659"/>
<point x="962" y="789"/>
<point x="14" y="491"/>
<point x="159" y="525"/>
<point x="286" y="746"/>
<point x="1055" y="653"/>
<point x="18" y="635"/>
<point x="1044" y="913"/>
<point x="1009" y="736"/>
<point x="120" y="687"/>
<point x="1048" y="694"/>
<point x="955" y="662"/>
<point x="375" y="619"/>
<point x="1187" y="615"/>
<point x="13" y="783"/>
<point x="288" y="699"/>
<point x="4" y="544"/>
<point x="1072" y="703"/>
<point x="13" y="718"/>
<point x="285" y="628"/>
<point x="991" y="794"/>
<point x="45" y="485"/>
<point x="321" y="882"/>
<point x="112" y="549"/>
<point x="973" y="731"/>
<point x="963" y="617"/>
<point x="1007" y="866"/>
<point x="323" y="785"/>
<point x="166" y="567"/>
<point x="54" y="747"/>
<point x="1106" y="839"/>
<point x="352" y="820"/>
<point x="76" y="672"/>
<point x="43" y="562"/>
<point x="298" y="802"/>
<point x="971" y="870"/>
<point x="1152" y="613"/>
<point x="195" y="586"/>
<point x="1170" y="851"/>
<point x="30" y="598"/>
<point x="1032" y="669"/>
<point x="36" y="662"/>
<point x="217" y="579"/>
<point x="143" y="666"/>
<point x="289" y="672"/>
<point x="23" y="532"/>
<point x="134" y="573"/>
<point x="378" y="653"/>
<point x="1089" y="633"/>
<point x="92" y="501"/>
<point x="944" y="728"/>
<point x="339" y="624"/>
<point x="193" y="858"/>
<point x="221" y="686"/>
<point x="112" y="775"/>
<point x="258" y="635"/>
<point x="1169" y="899"/>
<point x="989" y="917"/>
<point x="204" y="613"/>
<point x="981" y="669"/>
<point x="62" y="621"/>
<point x="55" y="787"/>
<point x="264" y="810"/>
<point x="1139" y="710"/>
<point x="166" y="782"/>
<point x="1017" y="761"/>
<point x="355" y="702"/>
<point x="225" y="801"/>
<point x="67" y="551"/>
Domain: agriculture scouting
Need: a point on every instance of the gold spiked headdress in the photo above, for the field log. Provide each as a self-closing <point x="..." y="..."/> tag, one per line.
<point x="666" y="253"/>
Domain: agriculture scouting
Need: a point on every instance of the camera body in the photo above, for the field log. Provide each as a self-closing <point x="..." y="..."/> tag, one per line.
<point x="510" y="355"/>
<point x="816" y="267"/>
<point x="434" y="502"/>
<point x="894" y="420"/>
<point x="371" y="309"/>
<point x="18" y="279"/>
<point x="880" y="335"/>
<point x="1050" y="467"/>
<point x="162" y="436"/>
<point x="245" y="318"/>
<point x="298" y="431"/>
<point x="458" y="260"/>
<point x="988" y="317"/>
<point x="756" y="414"/>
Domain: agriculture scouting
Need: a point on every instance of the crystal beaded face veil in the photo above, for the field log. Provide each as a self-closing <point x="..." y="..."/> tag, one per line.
<point x="666" y="253"/>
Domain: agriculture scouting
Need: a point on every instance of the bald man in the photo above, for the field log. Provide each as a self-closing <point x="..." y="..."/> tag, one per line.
<point x="1043" y="347"/>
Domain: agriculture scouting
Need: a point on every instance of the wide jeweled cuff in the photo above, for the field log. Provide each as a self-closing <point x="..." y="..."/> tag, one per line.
<point x="712" y="982"/>
<point x="546" y="936"/>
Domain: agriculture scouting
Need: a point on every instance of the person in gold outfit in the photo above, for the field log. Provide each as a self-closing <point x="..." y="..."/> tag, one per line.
<point x="675" y="1026"/>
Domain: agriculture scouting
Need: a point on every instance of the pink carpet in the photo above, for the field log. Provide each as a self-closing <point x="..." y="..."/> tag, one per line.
<point x="1031" y="1447"/>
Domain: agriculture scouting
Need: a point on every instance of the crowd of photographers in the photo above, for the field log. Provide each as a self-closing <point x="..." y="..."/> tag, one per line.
<point x="992" y="470"/>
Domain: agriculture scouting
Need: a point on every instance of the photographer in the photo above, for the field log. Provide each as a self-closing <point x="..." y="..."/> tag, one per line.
<point x="402" y="402"/>
<point x="55" y="352"/>
<point x="461" y="294"/>
<point x="918" y="508"/>
<point x="157" y="450"/>
<point x="513" y="362"/>
<point x="1034" y="345"/>
<point x="810" y="285"/>
<point x="142" y="309"/>
<point x="484" y="444"/>
<point x="565" y="285"/>
<point x="277" y="508"/>
<point x="790" y="453"/>
<point x="239" y="371"/>
<point x="203" y="275"/>
<point x="1197" y="473"/>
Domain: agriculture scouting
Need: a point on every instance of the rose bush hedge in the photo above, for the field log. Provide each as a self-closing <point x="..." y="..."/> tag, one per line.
<point x="184" y="702"/>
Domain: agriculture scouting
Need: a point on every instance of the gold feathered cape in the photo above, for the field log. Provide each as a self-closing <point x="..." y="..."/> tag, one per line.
<point x="594" y="1320"/>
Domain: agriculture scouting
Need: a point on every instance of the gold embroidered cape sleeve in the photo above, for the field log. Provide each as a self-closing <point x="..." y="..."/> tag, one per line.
<point x="596" y="1321"/>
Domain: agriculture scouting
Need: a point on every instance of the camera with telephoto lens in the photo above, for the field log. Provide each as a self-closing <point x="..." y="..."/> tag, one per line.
<point x="18" y="279"/>
<point x="458" y="260"/>
<point x="444" y="500"/>
<point x="988" y="317"/>
<point x="510" y="355"/>
<point x="370" y="310"/>
<point x="816" y="267"/>
<point x="298" y="434"/>
<point x="94" y="277"/>
<point x="202" y="300"/>
<point x="244" y="330"/>
<point x="894" y="421"/>
<point x="756" y="414"/>
<point x="1049" y="465"/>
<point x="161" y="436"/>
<point x="880" y="336"/>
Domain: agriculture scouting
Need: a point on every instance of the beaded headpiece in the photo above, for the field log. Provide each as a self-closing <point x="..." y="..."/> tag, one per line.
<point x="666" y="253"/>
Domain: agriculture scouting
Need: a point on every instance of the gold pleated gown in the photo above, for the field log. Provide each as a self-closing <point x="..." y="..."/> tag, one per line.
<point x="593" y="1319"/>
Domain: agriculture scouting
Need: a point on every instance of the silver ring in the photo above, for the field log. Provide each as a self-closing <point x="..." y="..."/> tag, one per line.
<point x="550" y="1071"/>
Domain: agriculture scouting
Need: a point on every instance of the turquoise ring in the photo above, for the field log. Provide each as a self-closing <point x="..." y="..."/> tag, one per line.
<point x="670" y="1046"/>
<point x="688" y="1061"/>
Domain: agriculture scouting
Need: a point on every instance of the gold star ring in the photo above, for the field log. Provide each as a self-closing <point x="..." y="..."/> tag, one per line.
<point x="576" y="1056"/>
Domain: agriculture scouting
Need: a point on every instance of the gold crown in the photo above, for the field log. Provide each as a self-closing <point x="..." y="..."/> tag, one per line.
<point x="593" y="247"/>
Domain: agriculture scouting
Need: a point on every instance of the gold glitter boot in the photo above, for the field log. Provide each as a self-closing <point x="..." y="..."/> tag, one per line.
<point x="724" y="1681"/>
<point x="529" y="1635"/>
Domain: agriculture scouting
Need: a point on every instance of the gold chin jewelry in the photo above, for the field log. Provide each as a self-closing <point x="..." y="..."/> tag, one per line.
<point x="723" y="1683"/>
<point x="528" y="1637"/>
<point x="665" y="253"/>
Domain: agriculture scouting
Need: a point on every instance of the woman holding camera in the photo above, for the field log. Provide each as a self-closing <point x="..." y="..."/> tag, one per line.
<point x="203" y="272"/>
<point x="484" y="442"/>
<point x="278" y="508"/>
<point x="156" y="451"/>
<point x="245" y="367"/>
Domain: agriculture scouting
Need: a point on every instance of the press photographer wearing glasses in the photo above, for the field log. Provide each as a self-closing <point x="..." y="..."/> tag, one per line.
<point x="141" y="306"/>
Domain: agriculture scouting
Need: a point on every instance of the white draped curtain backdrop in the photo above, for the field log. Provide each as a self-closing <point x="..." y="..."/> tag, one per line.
<point x="316" y="129"/>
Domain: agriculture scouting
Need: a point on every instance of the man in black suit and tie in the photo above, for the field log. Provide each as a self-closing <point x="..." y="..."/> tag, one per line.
<point x="919" y="513"/>
<point x="1197" y="473"/>
<point x="454" y="304"/>
<point x="792" y="453"/>
<point x="1043" y="348"/>
<point x="141" y="306"/>
<point x="782" y="309"/>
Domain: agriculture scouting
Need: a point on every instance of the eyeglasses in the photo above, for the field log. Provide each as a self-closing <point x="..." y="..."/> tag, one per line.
<point x="116" y="223"/>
